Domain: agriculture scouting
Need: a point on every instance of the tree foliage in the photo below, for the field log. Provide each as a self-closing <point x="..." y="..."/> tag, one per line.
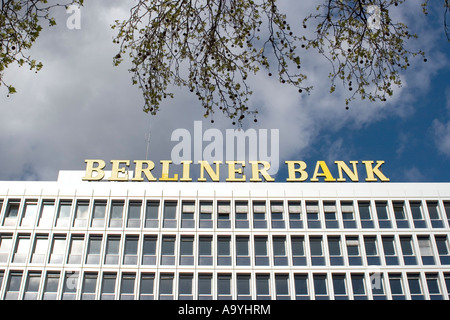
<point x="20" y="26"/>
<point x="212" y="46"/>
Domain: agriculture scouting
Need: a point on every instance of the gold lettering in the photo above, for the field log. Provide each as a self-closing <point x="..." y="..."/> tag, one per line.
<point x="256" y="171"/>
<point x="325" y="172"/>
<point x="186" y="170"/>
<point x="371" y="171"/>
<point x="165" y="171"/>
<point x="232" y="171"/>
<point x="116" y="169"/>
<point x="213" y="175"/>
<point x="91" y="169"/>
<point x="353" y="175"/>
<point x="139" y="169"/>
<point x="292" y="171"/>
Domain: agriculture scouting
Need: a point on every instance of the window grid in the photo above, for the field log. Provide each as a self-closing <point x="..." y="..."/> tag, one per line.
<point x="433" y="234"/>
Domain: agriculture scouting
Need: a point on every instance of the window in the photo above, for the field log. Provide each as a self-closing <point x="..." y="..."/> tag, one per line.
<point x="22" y="248"/>
<point x="447" y="210"/>
<point x="146" y="286"/>
<point x="108" y="286"/>
<point x="447" y="283"/>
<point x="415" y="287"/>
<point x="99" y="213"/>
<point x="51" y="286"/>
<point x="70" y="286"/>
<point x="58" y="249"/>
<point x="409" y="257"/>
<point x="185" y="287"/>
<point x="134" y="214"/>
<point x="298" y="251"/>
<point x="29" y="213"/>
<point x="329" y="210"/>
<point x="426" y="250"/>
<point x="12" y="211"/>
<point x="187" y="214"/>
<point x="223" y="214"/>
<point x="94" y="249"/>
<point x="396" y="284"/>
<point x="40" y="249"/>
<point x="320" y="287"/>
<point x="340" y="287"/>
<point x="295" y="214"/>
<point x="259" y="215"/>
<point x="13" y="285"/>
<point x="169" y="215"/>
<point x="334" y="248"/>
<point x="81" y="214"/>
<point x="282" y="286"/>
<point x="204" y="287"/>
<point x="223" y="251"/>
<point x="243" y="287"/>
<point x="416" y="211"/>
<point x="312" y="214"/>
<point x="317" y="255"/>
<point x="371" y="246"/>
<point x="443" y="249"/>
<point x="224" y="287"/>
<point x="76" y="249"/>
<point x="400" y="215"/>
<point x="168" y="250"/>
<point x="242" y="252"/>
<point x="353" y="251"/>
<point x="63" y="217"/>
<point x="241" y="215"/>
<point x="187" y="251"/>
<point x="262" y="287"/>
<point x="116" y="214"/>
<point x="301" y="287"/>
<point x="151" y="214"/>
<point x="130" y="256"/>
<point x="390" y="252"/>
<point x="127" y="286"/>
<point x="348" y="215"/>
<point x="5" y="247"/>
<point x="434" y="288"/>
<point x="112" y="249"/>
<point x="435" y="216"/>
<point x="277" y="211"/>
<point x="32" y="286"/>
<point x="46" y="214"/>
<point x="206" y="209"/>
<point x="166" y="287"/>
<point x="365" y="214"/>
<point x="279" y="251"/>
<point x="261" y="255"/>
<point x="149" y="250"/>
<point x="382" y="213"/>
<point x="359" y="287"/>
<point x="89" y="286"/>
<point x="205" y="257"/>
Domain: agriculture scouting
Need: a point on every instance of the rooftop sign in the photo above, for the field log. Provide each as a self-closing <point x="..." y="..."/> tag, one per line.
<point x="234" y="171"/>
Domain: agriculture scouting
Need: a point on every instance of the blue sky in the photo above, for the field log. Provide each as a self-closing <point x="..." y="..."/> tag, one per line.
<point x="79" y="106"/>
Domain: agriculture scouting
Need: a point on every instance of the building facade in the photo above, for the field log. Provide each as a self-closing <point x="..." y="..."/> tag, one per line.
<point x="70" y="239"/>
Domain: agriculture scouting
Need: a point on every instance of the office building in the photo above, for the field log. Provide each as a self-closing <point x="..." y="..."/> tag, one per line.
<point x="72" y="239"/>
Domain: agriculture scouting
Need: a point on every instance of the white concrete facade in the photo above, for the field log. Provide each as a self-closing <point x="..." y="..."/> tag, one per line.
<point x="69" y="239"/>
